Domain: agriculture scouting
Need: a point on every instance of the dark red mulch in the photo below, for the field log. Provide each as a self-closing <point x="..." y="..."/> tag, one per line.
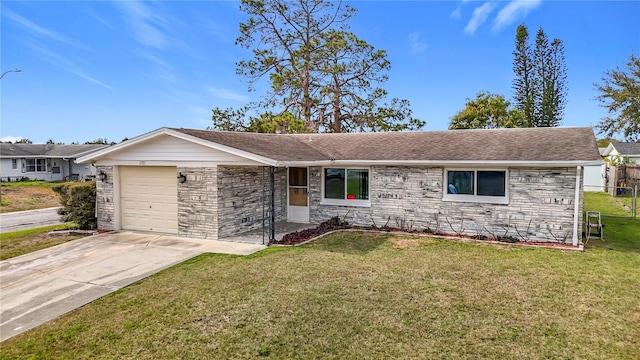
<point x="336" y="224"/>
<point x="301" y="236"/>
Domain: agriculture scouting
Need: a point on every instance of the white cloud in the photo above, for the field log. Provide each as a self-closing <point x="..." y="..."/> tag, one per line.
<point x="147" y="25"/>
<point x="480" y="15"/>
<point x="226" y="94"/>
<point x="10" y="138"/>
<point x="37" y="30"/>
<point x="416" y="42"/>
<point x="200" y="116"/>
<point x="163" y="70"/>
<point x="457" y="13"/>
<point x="514" y="10"/>
<point x="67" y="65"/>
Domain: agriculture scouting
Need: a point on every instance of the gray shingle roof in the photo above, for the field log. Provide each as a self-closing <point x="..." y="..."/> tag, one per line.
<point x="46" y="150"/>
<point x="533" y="144"/>
<point x="627" y="148"/>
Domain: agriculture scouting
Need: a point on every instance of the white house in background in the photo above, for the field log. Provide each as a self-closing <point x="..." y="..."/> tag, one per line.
<point x="47" y="162"/>
<point x="595" y="178"/>
<point x="627" y="150"/>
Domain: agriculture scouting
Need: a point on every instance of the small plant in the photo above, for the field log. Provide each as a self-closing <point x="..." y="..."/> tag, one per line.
<point x="478" y="230"/>
<point x="524" y="237"/>
<point x="436" y="231"/>
<point x="373" y="223"/>
<point x="404" y="224"/>
<point x="264" y="351"/>
<point x="459" y="231"/>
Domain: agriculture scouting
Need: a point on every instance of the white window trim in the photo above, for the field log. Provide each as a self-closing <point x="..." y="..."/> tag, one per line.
<point x="35" y="165"/>
<point x="14" y="164"/>
<point x="475" y="198"/>
<point x="345" y="202"/>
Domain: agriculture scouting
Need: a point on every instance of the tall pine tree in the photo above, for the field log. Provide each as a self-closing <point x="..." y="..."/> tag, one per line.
<point x="540" y="82"/>
<point x="323" y="78"/>
<point x="524" y="83"/>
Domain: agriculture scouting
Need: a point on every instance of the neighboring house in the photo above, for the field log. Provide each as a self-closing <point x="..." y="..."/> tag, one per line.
<point x="628" y="150"/>
<point x="47" y="162"/>
<point x="595" y="177"/>
<point x="522" y="183"/>
<point x="620" y="177"/>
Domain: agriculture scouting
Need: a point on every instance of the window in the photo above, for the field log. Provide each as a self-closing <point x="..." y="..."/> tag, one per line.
<point x="346" y="186"/>
<point x="476" y="186"/>
<point x="298" y="186"/>
<point x="35" y="165"/>
<point x="14" y="164"/>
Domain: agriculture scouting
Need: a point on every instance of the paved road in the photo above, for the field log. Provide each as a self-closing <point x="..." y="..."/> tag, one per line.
<point x="42" y="285"/>
<point x="20" y="220"/>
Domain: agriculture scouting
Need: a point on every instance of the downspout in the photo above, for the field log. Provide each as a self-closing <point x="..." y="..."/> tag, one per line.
<point x="576" y="208"/>
<point x="264" y="198"/>
<point x="272" y="204"/>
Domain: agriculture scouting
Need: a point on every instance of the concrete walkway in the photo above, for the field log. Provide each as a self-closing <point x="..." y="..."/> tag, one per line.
<point x="40" y="286"/>
<point x="20" y="220"/>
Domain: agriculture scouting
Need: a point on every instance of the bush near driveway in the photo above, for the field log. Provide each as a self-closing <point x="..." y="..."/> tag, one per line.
<point x="359" y="295"/>
<point x="78" y="201"/>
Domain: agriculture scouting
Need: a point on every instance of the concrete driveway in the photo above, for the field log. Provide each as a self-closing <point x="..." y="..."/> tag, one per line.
<point x="20" y="220"/>
<point x="40" y="286"/>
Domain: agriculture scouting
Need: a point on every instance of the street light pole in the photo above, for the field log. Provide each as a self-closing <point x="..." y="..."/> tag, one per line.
<point x="8" y="71"/>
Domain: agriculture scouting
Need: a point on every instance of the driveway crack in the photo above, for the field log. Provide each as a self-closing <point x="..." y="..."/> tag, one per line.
<point x="90" y="283"/>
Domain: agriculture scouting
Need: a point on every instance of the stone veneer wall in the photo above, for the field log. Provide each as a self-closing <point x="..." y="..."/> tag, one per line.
<point x="106" y="211"/>
<point x="198" y="203"/>
<point x="541" y="204"/>
<point x="242" y="190"/>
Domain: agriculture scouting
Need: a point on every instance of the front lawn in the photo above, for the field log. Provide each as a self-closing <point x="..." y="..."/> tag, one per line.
<point x="357" y="295"/>
<point x="25" y="241"/>
<point x="27" y="195"/>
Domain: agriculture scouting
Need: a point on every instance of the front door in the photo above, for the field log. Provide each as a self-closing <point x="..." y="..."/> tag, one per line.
<point x="298" y="195"/>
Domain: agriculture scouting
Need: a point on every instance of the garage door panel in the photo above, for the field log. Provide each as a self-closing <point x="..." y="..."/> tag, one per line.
<point x="149" y="199"/>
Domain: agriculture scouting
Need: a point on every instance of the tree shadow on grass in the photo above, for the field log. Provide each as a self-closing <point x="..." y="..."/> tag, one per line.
<point x="349" y="242"/>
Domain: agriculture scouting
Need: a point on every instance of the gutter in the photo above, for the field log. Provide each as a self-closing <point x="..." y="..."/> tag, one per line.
<point x="450" y="163"/>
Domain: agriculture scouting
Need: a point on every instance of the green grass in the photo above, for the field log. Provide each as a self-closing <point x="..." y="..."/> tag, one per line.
<point x="25" y="241"/>
<point x="606" y="204"/>
<point x="30" y="184"/>
<point x="621" y="232"/>
<point x="358" y="295"/>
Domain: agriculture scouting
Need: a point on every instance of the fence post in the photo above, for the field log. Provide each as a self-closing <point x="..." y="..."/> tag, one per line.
<point x="634" y="202"/>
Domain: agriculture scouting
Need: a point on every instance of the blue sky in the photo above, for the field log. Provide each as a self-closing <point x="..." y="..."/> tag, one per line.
<point x="100" y="69"/>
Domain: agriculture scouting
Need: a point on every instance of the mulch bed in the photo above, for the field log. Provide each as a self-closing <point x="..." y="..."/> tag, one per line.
<point x="298" y="237"/>
<point x="335" y="223"/>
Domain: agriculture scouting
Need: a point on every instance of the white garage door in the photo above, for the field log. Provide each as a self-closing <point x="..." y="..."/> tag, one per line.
<point x="149" y="199"/>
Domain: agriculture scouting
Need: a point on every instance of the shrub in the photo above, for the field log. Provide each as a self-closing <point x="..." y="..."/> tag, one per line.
<point x="78" y="203"/>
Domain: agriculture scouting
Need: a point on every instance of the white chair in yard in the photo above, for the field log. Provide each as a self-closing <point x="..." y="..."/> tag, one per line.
<point x="594" y="225"/>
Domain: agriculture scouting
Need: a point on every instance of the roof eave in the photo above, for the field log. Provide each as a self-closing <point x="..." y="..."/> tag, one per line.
<point x="94" y="156"/>
<point x="476" y="163"/>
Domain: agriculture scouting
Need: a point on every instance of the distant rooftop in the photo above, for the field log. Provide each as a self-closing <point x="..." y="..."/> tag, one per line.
<point x="8" y="150"/>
